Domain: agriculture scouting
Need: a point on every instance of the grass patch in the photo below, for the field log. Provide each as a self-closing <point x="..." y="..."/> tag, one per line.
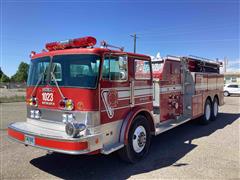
<point x="12" y="99"/>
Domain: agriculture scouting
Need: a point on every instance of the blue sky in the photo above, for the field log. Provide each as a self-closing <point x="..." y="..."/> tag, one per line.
<point x="203" y="28"/>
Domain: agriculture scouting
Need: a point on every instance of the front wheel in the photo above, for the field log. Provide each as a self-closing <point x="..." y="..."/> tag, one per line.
<point x="139" y="138"/>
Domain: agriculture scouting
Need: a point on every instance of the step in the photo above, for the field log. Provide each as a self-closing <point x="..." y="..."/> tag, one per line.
<point x="165" y="126"/>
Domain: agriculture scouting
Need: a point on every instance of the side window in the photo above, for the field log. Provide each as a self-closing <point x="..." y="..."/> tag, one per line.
<point x="142" y="69"/>
<point x="233" y="86"/>
<point x="115" y="68"/>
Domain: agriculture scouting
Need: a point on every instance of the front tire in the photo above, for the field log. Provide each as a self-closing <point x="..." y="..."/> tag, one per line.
<point x="139" y="139"/>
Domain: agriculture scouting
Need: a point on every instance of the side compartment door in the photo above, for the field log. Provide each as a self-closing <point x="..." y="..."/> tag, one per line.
<point x="143" y="90"/>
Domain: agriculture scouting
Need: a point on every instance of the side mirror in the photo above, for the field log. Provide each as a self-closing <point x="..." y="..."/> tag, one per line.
<point x="122" y="61"/>
<point x="123" y="75"/>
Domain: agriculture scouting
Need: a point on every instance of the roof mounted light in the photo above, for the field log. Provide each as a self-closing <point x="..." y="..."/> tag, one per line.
<point x="106" y="45"/>
<point x="83" y="42"/>
<point x="32" y="54"/>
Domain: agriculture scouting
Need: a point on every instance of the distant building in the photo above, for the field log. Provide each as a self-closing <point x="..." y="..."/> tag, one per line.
<point x="232" y="77"/>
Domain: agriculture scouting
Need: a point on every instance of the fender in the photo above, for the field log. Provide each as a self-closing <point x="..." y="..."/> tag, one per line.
<point x="129" y="120"/>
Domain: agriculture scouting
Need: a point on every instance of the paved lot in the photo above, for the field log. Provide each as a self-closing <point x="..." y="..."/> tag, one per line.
<point x="12" y="112"/>
<point x="189" y="151"/>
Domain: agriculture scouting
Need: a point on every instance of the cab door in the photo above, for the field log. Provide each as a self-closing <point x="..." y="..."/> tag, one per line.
<point x="114" y="88"/>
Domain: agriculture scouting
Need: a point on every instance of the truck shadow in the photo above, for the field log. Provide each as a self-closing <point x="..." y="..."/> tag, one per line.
<point x="166" y="150"/>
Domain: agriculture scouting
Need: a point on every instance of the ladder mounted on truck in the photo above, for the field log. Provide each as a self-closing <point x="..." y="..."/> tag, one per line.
<point x="200" y="64"/>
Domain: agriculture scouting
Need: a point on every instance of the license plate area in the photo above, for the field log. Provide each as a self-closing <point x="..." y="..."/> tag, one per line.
<point x="30" y="140"/>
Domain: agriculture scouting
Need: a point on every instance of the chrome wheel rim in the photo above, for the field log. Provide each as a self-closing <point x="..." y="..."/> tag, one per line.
<point x="225" y="94"/>
<point x="215" y="108"/>
<point x="139" y="139"/>
<point x="208" y="112"/>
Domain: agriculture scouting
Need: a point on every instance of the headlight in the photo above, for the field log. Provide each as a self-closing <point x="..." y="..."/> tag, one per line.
<point x="64" y="118"/>
<point x="74" y="128"/>
<point x="32" y="114"/>
<point x="67" y="117"/>
<point x="35" y="114"/>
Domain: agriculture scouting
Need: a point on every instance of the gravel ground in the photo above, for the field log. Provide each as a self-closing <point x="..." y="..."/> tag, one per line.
<point x="189" y="151"/>
<point x="12" y="112"/>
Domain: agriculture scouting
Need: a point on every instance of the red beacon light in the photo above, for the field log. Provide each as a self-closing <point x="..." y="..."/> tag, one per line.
<point x="32" y="54"/>
<point x="72" y="43"/>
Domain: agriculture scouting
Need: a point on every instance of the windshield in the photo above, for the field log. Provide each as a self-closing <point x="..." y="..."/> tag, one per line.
<point x="68" y="70"/>
<point x="38" y="71"/>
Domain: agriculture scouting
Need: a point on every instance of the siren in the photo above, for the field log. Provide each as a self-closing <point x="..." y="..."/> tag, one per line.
<point x="83" y="42"/>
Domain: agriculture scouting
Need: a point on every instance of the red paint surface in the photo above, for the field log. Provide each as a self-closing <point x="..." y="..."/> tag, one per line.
<point x="86" y="97"/>
<point x="63" y="145"/>
<point x="16" y="135"/>
<point x="50" y="143"/>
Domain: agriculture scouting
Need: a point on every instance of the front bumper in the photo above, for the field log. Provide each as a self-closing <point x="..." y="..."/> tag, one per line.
<point x="53" y="139"/>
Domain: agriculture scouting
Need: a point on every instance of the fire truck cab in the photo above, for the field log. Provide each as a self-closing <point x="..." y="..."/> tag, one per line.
<point x="86" y="100"/>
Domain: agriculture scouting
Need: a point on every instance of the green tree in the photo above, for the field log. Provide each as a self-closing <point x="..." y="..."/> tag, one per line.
<point x="21" y="74"/>
<point x="1" y="72"/>
<point x="5" y="78"/>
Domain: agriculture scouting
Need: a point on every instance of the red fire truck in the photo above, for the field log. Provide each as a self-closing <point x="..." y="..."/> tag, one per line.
<point x="87" y="100"/>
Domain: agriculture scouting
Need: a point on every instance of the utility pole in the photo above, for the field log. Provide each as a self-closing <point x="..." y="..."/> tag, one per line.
<point x="225" y="64"/>
<point x="134" y="42"/>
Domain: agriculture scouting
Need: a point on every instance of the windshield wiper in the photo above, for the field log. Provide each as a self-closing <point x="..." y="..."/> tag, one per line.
<point x="56" y="83"/>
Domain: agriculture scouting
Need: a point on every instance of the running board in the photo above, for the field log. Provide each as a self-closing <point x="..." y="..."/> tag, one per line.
<point x="165" y="126"/>
<point x="112" y="148"/>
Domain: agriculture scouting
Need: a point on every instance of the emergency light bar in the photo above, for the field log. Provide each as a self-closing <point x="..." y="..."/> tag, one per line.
<point x="83" y="42"/>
